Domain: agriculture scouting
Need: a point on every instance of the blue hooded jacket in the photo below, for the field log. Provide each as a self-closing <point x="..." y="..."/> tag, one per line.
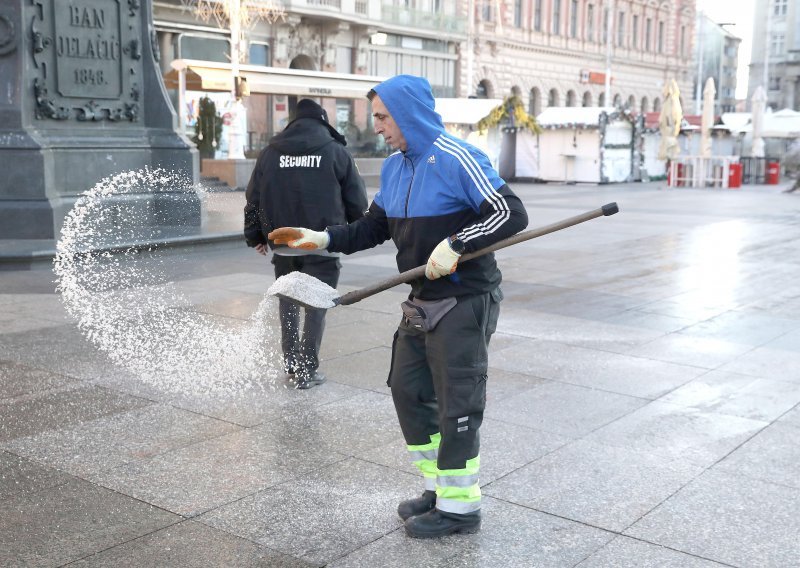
<point x="440" y="186"/>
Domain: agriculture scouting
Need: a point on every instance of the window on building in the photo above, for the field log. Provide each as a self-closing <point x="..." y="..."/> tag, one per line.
<point x="779" y="7"/>
<point x="552" y="98"/>
<point x="661" y="37"/>
<point x="683" y="40"/>
<point x="486" y="13"/>
<point x="537" y="16"/>
<point x="556" y="17"/>
<point x="635" y="32"/>
<point x="204" y="48"/>
<point x="518" y="13"/>
<point x="590" y="22"/>
<point x="621" y="29"/>
<point x="259" y="54"/>
<point x="774" y="83"/>
<point x="535" y="102"/>
<point x="571" y="98"/>
<point x="573" y="18"/>
<point x="344" y="59"/>
<point x="776" y="43"/>
<point x="436" y="6"/>
<point x="648" y="34"/>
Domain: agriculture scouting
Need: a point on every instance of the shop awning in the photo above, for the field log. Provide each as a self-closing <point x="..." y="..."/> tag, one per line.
<point x="465" y="111"/>
<point x="212" y="76"/>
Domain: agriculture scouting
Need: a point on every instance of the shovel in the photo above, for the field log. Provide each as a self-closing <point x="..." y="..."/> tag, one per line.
<point x="419" y="272"/>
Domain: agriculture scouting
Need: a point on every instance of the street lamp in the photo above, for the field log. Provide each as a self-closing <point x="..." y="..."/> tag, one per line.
<point x="237" y="16"/>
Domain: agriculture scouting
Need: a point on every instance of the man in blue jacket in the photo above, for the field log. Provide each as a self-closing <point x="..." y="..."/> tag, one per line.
<point x="439" y="198"/>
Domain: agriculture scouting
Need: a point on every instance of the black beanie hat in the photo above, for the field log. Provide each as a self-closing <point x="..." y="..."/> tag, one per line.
<point x="306" y="108"/>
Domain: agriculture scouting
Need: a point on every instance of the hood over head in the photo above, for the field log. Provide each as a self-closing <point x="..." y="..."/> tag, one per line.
<point x="409" y="99"/>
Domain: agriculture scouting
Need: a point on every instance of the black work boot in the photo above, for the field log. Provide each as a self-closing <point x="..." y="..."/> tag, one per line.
<point x="306" y="380"/>
<point x="417" y="505"/>
<point x="437" y="523"/>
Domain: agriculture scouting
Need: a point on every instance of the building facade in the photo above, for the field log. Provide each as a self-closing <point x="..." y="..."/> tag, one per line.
<point x="775" y="57"/>
<point x="549" y="52"/>
<point x="556" y="52"/>
<point x="716" y="56"/>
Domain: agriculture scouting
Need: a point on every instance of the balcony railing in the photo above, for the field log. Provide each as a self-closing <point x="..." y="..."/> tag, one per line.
<point x="418" y="19"/>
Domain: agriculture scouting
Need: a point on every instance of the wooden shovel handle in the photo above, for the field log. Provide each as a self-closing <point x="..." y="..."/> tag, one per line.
<point x="419" y="271"/>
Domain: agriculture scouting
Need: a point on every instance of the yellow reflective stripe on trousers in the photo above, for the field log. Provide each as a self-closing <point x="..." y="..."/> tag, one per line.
<point x="424" y="456"/>
<point x="458" y="490"/>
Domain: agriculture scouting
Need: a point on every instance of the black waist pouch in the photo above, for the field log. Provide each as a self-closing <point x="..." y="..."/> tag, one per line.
<point x="425" y="314"/>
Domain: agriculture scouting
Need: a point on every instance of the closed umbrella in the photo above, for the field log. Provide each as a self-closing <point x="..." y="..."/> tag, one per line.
<point x="669" y="122"/>
<point x="709" y="93"/>
<point x="759" y="101"/>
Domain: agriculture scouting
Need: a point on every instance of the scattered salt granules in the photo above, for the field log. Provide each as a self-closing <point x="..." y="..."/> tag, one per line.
<point x="306" y="289"/>
<point x="128" y="304"/>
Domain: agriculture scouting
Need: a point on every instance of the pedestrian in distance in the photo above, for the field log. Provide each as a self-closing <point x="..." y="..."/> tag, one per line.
<point x="306" y="177"/>
<point x="439" y="198"/>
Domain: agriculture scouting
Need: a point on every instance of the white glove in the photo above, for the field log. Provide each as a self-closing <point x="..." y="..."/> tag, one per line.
<point x="443" y="261"/>
<point x="298" y="237"/>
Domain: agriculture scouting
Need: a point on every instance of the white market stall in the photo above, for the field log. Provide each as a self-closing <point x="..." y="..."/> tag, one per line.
<point x="587" y="145"/>
<point x="460" y="118"/>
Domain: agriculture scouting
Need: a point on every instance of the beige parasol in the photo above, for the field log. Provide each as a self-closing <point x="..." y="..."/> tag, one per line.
<point x="759" y="101"/>
<point x="669" y="122"/>
<point x="709" y="93"/>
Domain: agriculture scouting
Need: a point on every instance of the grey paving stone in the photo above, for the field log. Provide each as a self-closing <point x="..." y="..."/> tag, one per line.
<point x="365" y="370"/>
<point x="504" y="448"/>
<point x="349" y="339"/>
<point x="563" y="409"/>
<point x="771" y="455"/>
<point x="322" y="515"/>
<point x="648" y="320"/>
<point x="791" y="418"/>
<point x="21" y="475"/>
<point x="737" y="395"/>
<point x="728" y="518"/>
<point x="17" y="379"/>
<point x="748" y="328"/>
<point x="678" y="432"/>
<point x="60" y="408"/>
<point x="573" y="330"/>
<point x="108" y="442"/>
<point x="200" y="477"/>
<point x="612" y="372"/>
<point x="599" y="485"/>
<point x="624" y="552"/>
<point x="506" y="384"/>
<point x="704" y="352"/>
<point x="363" y="421"/>
<point x="767" y="362"/>
<point x="72" y="520"/>
<point x="248" y="405"/>
<point x="190" y="545"/>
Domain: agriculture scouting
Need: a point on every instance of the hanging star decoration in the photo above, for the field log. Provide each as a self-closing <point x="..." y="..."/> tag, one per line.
<point x="249" y="14"/>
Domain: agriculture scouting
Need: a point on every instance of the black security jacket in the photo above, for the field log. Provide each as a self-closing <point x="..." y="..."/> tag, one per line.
<point x="304" y="178"/>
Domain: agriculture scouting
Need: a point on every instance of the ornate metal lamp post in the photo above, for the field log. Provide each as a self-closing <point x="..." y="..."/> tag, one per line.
<point x="238" y="16"/>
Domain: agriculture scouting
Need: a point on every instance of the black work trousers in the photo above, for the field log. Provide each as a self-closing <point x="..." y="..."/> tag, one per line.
<point x="438" y="378"/>
<point x="301" y="352"/>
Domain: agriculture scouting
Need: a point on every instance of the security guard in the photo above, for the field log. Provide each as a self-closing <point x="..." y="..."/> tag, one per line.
<point x="305" y="176"/>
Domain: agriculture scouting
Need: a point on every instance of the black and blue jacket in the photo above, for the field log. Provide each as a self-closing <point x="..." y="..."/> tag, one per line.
<point x="440" y="186"/>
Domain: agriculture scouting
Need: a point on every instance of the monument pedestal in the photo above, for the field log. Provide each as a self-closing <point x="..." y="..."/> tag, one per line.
<point x="81" y="99"/>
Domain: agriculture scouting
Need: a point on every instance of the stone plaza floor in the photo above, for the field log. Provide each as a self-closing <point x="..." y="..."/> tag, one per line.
<point x="643" y="409"/>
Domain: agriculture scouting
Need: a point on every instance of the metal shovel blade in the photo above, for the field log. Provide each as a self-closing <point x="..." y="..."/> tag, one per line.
<point x="298" y="295"/>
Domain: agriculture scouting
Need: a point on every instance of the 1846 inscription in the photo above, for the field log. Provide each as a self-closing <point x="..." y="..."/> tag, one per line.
<point x="87" y="48"/>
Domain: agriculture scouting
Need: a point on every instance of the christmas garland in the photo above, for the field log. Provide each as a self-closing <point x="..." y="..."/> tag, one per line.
<point x="511" y="112"/>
